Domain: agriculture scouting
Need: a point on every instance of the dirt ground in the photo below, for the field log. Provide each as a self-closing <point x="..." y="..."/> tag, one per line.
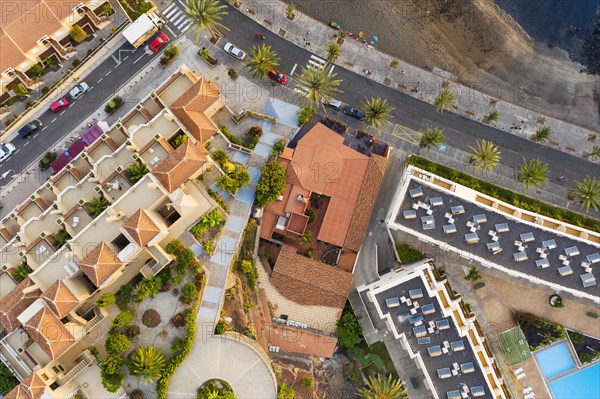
<point x="477" y="42"/>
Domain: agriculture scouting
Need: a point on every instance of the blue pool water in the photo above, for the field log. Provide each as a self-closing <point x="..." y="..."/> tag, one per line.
<point x="555" y="360"/>
<point x="584" y="384"/>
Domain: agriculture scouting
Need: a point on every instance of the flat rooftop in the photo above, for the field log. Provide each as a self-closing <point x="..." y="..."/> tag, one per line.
<point x="433" y="339"/>
<point x="521" y="238"/>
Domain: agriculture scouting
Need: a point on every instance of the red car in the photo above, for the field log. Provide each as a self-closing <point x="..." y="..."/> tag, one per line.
<point x="159" y="42"/>
<point x="277" y="76"/>
<point x="59" y="105"/>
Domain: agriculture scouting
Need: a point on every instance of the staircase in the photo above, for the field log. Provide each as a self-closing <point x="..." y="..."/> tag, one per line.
<point x="84" y="10"/>
<point x="75" y="370"/>
<point x="63" y="52"/>
<point x="27" y="82"/>
<point x="369" y="330"/>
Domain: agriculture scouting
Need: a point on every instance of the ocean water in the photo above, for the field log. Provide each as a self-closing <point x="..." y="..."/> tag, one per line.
<point x="559" y="22"/>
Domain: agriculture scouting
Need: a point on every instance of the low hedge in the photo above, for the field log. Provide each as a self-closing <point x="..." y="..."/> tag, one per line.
<point x="503" y="194"/>
<point x="162" y="384"/>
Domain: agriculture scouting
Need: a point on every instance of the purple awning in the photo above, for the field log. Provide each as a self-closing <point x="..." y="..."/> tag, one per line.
<point x="76" y="148"/>
<point x="60" y="162"/>
<point x="92" y="134"/>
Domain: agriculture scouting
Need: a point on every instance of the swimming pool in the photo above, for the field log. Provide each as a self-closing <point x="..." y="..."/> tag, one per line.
<point x="584" y="384"/>
<point x="555" y="360"/>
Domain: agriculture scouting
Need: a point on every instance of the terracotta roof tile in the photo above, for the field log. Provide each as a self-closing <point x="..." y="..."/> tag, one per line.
<point x="190" y="108"/>
<point x="308" y="282"/>
<point x="49" y="333"/>
<point x="60" y="299"/>
<point x="15" y="302"/>
<point x="180" y="165"/>
<point x="100" y="263"/>
<point x="32" y="387"/>
<point x="365" y="203"/>
<point x="141" y="228"/>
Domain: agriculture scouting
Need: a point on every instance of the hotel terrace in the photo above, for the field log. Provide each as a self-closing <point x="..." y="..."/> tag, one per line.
<point x="49" y="319"/>
<point x="542" y="250"/>
<point x="443" y="338"/>
<point x="31" y="31"/>
<point x="325" y="174"/>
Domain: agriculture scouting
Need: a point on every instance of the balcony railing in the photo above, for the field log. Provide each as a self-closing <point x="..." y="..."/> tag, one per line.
<point x="86" y="361"/>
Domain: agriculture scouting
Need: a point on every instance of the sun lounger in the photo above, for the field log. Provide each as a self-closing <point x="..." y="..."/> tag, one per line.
<point x="518" y="371"/>
<point x="520" y="376"/>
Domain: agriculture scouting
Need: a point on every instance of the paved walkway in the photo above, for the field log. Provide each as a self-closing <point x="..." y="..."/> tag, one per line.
<point x="242" y="365"/>
<point x="313" y="35"/>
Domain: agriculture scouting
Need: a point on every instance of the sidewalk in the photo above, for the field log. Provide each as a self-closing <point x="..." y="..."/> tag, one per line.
<point x="313" y="35"/>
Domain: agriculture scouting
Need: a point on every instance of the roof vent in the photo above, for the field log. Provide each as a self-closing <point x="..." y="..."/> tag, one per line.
<point x="300" y="198"/>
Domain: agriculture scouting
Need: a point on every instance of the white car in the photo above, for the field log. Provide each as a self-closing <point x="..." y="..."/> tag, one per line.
<point x="236" y="52"/>
<point x="6" y="150"/>
<point x="79" y="90"/>
<point x="333" y="103"/>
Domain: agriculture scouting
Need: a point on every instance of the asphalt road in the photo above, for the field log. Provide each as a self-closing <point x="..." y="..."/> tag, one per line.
<point x="415" y="114"/>
<point x="104" y="81"/>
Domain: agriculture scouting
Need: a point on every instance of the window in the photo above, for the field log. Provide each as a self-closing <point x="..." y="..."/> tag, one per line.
<point x="57" y="369"/>
<point x="44" y="377"/>
<point x="54" y="385"/>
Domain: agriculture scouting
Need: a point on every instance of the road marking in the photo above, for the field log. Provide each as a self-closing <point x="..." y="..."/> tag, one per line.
<point x="293" y="69"/>
<point x="34" y="136"/>
<point x="116" y="60"/>
<point x="52" y="121"/>
<point x="173" y="13"/>
<point x="26" y="144"/>
<point x="178" y="20"/>
<point x="186" y="26"/>
<point x="169" y="29"/>
<point x="140" y="57"/>
<point x="321" y="60"/>
<point x="168" y="9"/>
<point x="100" y="80"/>
<point x="125" y="58"/>
<point x="44" y="128"/>
<point x="17" y="151"/>
<point x="62" y="112"/>
<point x="183" y="24"/>
<point x="331" y="70"/>
<point x="182" y="4"/>
<point x="108" y="73"/>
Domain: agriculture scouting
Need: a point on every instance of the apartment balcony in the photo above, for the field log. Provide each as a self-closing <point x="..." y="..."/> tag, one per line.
<point x="152" y="268"/>
<point x="83" y="361"/>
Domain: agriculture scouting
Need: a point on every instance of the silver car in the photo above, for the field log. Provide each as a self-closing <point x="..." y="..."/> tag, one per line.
<point x="6" y="150"/>
<point x="79" y="90"/>
<point x="234" y="51"/>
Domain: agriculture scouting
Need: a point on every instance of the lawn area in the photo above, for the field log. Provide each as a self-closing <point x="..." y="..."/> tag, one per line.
<point x="380" y="350"/>
<point x="406" y="254"/>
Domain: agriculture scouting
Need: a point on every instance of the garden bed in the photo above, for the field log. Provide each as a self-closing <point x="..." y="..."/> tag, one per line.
<point x="335" y="125"/>
<point x="539" y="333"/>
<point x="587" y="348"/>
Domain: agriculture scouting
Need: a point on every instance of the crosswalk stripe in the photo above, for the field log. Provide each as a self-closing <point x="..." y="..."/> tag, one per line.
<point x="331" y="70"/>
<point x="313" y="64"/>
<point x="168" y="9"/>
<point x="314" y="57"/>
<point x="178" y="20"/>
<point x="173" y="12"/>
<point x="184" y="25"/>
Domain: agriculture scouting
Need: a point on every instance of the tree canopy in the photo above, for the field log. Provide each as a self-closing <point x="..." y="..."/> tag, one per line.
<point x="271" y="183"/>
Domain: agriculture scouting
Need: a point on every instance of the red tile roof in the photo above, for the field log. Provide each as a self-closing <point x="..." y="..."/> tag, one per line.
<point x="180" y="165"/>
<point x="60" y="299"/>
<point x="100" y="263"/>
<point x="141" y="228"/>
<point x="46" y="329"/>
<point x="15" y="302"/>
<point x="32" y="387"/>
<point x="308" y="282"/>
<point x="192" y="106"/>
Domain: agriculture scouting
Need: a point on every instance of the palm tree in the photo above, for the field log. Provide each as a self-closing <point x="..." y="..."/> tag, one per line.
<point x="333" y="51"/>
<point x="595" y="152"/>
<point x="382" y="388"/>
<point x="377" y="112"/>
<point x="315" y="84"/>
<point x="493" y="116"/>
<point x="97" y="205"/>
<point x="588" y="193"/>
<point x="206" y="14"/>
<point x="148" y="363"/>
<point x="486" y="155"/>
<point x="542" y="134"/>
<point x="432" y="137"/>
<point x="445" y="100"/>
<point x="262" y="60"/>
<point x="136" y="171"/>
<point x="533" y="173"/>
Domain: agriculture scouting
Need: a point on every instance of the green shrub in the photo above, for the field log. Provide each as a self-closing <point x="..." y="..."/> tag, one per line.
<point x="47" y="160"/>
<point x="110" y="373"/>
<point x="349" y="331"/>
<point x="21" y="272"/>
<point x="106" y="299"/>
<point x="285" y="391"/>
<point x="7" y="380"/>
<point x="577" y="338"/>
<point x="271" y="184"/>
<point x="220" y="327"/>
<point x="279" y="146"/>
<point x="232" y="73"/>
<point x="394" y="63"/>
<point x="116" y="344"/>
<point x="220" y="156"/>
<point x="124" y="296"/>
<point x="37" y="70"/>
<point x="305" y="114"/>
<point x="148" y="287"/>
<point x="113" y="105"/>
<point x="518" y="200"/>
<point x="307" y="382"/>
<point x="249" y="269"/>
<point x="311" y="215"/>
<point x="78" y="34"/>
<point x="232" y="139"/>
<point x="123" y="318"/>
<point x="473" y="274"/>
<point x="408" y="254"/>
<point x="189" y="293"/>
<point x="209" y="247"/>
<point x="218" y="200"/>
<point x="207" y="222"/>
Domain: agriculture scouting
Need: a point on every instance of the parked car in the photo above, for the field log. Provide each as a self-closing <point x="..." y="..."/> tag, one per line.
<point x="277" y="76"/>
<point x="234" y="51"/>
<point x="353" y="112"/>
<point x="59" y="105"/>
<point x="159" y="42"/>
<point x="333" y="103"/>
<point x="6" y="150"/>
<point x="79" y="90"/>
<point x="30" y="128"/>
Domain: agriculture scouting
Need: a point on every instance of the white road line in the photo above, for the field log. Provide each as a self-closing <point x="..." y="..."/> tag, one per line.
<point x="170" y="30"/>
<point x="186" y="26"/>
<point x="313" y="64"/>
<point x="34" y="136"/>
<point x="17" y="151"/>
<point x="125" y="58"/>
<point x="178" y="20"/>
<point x="100" y="80"/>
<point x="175" y="14"/>
<point x="26" y="144"/>
<point x="293" y="69"/>
<point x="116" y="59"/>
<point x="44" y="128"/>
<point x="182" y="4"/>
<point x="183" y="24"/>
<point x="108" y="73"/>
<point x="52" y="121"/>
<point x="166" y="11"/>
<point x="139" y="58"/>
<point x="62" y="112"/>
<point x="331" y="70"/>
<point x="321" y="60"/>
